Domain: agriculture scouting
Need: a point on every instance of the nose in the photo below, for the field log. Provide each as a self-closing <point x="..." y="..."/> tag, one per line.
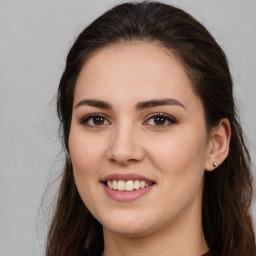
<point x="125" y="146"/>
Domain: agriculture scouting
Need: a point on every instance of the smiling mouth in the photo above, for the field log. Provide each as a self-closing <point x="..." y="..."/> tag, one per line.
<point x="127" y="186"/>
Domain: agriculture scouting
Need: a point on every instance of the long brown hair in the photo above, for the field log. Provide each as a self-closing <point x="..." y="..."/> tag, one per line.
<point x="227" y="195"/>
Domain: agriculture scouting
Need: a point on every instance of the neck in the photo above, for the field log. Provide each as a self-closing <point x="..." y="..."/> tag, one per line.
<point x="172" y="240"/>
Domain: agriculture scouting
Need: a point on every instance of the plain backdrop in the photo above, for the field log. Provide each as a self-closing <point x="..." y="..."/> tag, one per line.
<point x="34" y="40"/>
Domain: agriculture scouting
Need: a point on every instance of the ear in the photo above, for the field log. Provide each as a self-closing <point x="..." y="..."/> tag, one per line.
<point x="218" y="145"/>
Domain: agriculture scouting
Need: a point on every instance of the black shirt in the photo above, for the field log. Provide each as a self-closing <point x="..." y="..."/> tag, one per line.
<point x="210" y="253"/>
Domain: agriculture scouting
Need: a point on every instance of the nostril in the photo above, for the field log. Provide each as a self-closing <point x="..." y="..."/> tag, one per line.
<point x="125" y="147"/>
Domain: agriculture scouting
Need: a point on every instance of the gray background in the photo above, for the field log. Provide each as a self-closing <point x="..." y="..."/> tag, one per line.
<point x="34" y="39"/>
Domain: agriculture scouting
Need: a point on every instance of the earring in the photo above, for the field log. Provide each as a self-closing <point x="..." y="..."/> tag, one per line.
<point x="215" y="165"/>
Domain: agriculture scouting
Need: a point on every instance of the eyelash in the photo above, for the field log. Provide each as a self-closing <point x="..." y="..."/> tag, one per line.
<point x="165" y="117"/>
<point x="171" y="120"/>
<point x="86" y="119"/>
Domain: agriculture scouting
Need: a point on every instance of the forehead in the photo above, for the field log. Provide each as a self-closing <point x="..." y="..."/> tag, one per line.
<point x="136" y="70"/>
<point x="137" y="58"/>
<point x="132" y="52"/>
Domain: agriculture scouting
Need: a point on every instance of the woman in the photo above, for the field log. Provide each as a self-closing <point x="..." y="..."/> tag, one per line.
<point x="156" y="162"/>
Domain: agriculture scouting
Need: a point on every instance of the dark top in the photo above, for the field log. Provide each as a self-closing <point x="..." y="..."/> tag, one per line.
<point x="210" y="253"/>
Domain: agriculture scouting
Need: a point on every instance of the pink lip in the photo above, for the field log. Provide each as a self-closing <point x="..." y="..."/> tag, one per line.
<point x="126" y="177"/>
<point x="125" y="196"/>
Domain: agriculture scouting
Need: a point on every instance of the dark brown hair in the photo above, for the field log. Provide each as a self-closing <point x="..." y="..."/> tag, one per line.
<point x="227" y="194"/>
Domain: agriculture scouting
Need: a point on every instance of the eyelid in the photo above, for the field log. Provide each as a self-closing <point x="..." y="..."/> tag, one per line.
<point x="92" y="115"/>
<point x="168" y="117"/>
<point x="172" y="120"/>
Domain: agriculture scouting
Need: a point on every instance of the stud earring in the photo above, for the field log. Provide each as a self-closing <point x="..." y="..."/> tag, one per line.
<point x="215" y="165"/>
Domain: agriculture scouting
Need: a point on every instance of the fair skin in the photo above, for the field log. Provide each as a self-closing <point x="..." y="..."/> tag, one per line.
<point x="135" y="113"/>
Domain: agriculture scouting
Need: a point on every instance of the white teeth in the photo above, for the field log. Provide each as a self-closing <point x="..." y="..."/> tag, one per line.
<point x="121" y="185"/>
<point x="114" y="184"/>
<point x="137" y="184"/>
<point x="110" y="185"/>
<point x="129" y="185"/>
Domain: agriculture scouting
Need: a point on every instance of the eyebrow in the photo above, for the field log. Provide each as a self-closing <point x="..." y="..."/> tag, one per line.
<point x="139" y="106"/>
<point x="158" y="102"/>
<point x="94" y="103"/>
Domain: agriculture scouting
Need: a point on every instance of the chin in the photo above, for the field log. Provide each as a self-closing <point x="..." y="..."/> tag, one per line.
<point x="127" y="230"/>
<point x="127" y="225"/>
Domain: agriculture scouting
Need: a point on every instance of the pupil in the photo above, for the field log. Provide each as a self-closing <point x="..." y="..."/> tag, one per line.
<point x="159" y="120"/>
<point x="98" y="120"/>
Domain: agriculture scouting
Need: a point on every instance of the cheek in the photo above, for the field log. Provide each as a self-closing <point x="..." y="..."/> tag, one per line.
<point x="181" y="159"/>
<point x="180" y="163"/>
<point x="176" y="155"/>
<point x="86" y="156"/>
<point x="86" y="153"/>
<point x="186" y="147"/>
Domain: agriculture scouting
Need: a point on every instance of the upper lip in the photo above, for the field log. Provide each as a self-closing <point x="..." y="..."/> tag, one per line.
<point x="126" y="177"/>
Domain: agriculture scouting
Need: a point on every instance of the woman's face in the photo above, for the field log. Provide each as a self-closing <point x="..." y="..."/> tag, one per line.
<point x="138" y="140"/>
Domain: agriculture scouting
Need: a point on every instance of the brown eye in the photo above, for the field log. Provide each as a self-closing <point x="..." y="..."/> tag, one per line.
<point x="98" y="120"/>
<point x="159" y="120"/>
<point x="94" y="120"/>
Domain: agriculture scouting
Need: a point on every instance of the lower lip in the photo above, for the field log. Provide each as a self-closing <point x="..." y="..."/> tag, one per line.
<point x="124" y="196"/>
